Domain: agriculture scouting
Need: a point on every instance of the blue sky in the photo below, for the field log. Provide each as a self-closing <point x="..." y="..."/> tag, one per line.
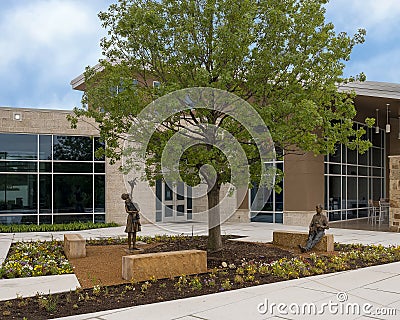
<point x="44" y="44"/>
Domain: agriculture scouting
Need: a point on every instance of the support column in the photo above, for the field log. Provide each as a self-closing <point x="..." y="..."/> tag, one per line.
<point x="303" y="188"/>
<point x="394" y="193"/>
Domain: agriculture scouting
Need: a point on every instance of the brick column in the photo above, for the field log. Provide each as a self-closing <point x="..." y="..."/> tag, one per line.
<point x="394" y="193"/>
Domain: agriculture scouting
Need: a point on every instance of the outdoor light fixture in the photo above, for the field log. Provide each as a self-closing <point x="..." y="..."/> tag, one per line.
<point x="17" y="116"/>
<point x="377" y="122"/>
<point x="387" y="118"/>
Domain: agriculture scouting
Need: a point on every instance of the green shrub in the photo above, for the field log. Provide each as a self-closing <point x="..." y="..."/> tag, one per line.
<point x="74" y="226"/>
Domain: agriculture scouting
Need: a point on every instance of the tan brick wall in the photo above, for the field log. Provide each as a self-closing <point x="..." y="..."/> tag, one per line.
<point x="394" y="193"/>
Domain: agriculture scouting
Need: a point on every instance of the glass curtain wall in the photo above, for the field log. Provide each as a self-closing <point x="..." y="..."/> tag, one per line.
<point x="51" y="179"/>
<point x="351" y="179"/>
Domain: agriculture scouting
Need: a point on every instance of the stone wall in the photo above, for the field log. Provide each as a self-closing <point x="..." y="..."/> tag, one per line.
<point x="394" y="193"/>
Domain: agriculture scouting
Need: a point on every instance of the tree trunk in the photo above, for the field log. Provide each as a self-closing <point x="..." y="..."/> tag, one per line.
<point x="214" y="227"/>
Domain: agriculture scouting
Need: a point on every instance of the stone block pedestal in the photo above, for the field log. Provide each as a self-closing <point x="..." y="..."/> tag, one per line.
<point x="74" y="246"/>
<point x="292" y="239"/>
<point x="141" y="267"/>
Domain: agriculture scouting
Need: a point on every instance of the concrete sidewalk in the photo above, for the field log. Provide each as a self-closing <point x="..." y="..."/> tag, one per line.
<point x="354" y="294"/>
<point x="379" y="285"/>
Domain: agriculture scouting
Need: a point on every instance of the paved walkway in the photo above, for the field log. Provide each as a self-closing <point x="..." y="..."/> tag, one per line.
<point x="378" y="286"/>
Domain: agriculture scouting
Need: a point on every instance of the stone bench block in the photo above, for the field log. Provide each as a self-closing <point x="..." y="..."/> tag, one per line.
<point x="74" y="246"/>
<point x="291" y="239"/>
<point x="141" y="267"/>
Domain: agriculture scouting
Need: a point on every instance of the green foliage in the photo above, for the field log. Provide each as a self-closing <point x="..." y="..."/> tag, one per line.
<point x="74" y="226"/>
<point x="285" y="59"/>
<point x="282" y="57"/>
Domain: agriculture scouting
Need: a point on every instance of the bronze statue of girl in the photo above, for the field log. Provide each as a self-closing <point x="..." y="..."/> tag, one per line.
<point x="133" y="220"/>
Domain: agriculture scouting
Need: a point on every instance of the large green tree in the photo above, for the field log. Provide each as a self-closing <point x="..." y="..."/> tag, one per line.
<point x="281" y="56"/>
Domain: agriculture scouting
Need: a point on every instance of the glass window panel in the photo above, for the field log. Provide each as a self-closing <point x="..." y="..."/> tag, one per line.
<point x="352" y="170"/>
<point x="363" y="158"/>
<point x="18" y="146"/>
<point x="167" y="192"/>
<point x="99" y="168"/>
<point x="97" y="145"/>
<point x="351" y="214"/>
<point x="335" y="169"/>
<point x="376" y="157"/>
<point x="336" y="156"/>
<point x="73" y="167"/>
<point x="362" y="213"/>
<point x="362" y="192"/>
<point x="168" y="211"/>
<point x="73" y="218"/>
<point x="21" y="219"/>
<point x="376" y="139"/>
<point x="180" y="190"/>
<point x="352" y="156"/>
<point x="45" y="166"/>
<point x="99" y="218"/>
<point x="189" y="215"/>
<point x="18" y="166"/>
<point x="376" y="189"/>
<point x="263" y="217"/>
<point x="45" y="219"/>
<point x="344" y="192"/>
<point x="362" y="171"/>
<point x="279" y="199"/>
<point x="18" y="193"/>
<point x="335" y="216"/>
<point x="45" y="143"/>
<point x="99" y="193"/>
<point x="180" y="210"/>
<point x="279" y="217"/>
<point x="377" y="172"/>
<point x="45" y="181"/>
<point x="335" y="197"/>
<point x="158" y="195"/>
<point x="352" y="192"/>
<point x="75" y="148"/>
<point x="73" y="193"/>
<point x="189" y="197"/>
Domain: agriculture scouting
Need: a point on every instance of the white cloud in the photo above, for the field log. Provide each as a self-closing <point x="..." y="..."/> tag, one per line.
<point x="44" y="44"/>
<point x="379" y="17"/>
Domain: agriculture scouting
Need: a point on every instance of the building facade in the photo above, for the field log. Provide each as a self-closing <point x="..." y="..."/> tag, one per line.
<point x="49" y="173"/>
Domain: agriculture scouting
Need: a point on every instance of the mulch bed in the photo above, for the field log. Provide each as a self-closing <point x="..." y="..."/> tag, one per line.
<point x="103" y="288"/>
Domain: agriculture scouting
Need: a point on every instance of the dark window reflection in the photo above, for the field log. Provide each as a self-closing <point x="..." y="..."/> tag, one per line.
<point x="45" y="193"/>
<point x="73" y="218"/>
<point x="73" y="193"/>
<point x="74" y="148"/>
<point x="21" y="219"/>
<point x="99" y="193"/>
<point x="45" y="147"/>
<point x="45" y="166"/>
<point x="98" y="145"/>
<point x="99" y="218"/>
<point x="17" y="166"/>
<point x="18" y="146"/>
<point x="18" y="193"/>
<point x="99" y="168"/>
<point x="73" y="167"/>
<point x="45" y="219"/>
<point x="167" y="193"/>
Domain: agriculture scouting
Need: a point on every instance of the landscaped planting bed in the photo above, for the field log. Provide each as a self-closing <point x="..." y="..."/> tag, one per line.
<point x="238" y="265"/>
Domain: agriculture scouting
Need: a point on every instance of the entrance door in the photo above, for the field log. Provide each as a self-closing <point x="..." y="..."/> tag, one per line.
<point x="175" y="206"/>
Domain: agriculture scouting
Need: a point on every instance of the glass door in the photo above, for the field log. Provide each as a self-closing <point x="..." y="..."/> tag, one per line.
<point x="174" y="203"/>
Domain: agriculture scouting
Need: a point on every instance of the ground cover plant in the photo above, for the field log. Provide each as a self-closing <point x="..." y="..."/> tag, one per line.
<point x="238" y="265"/>
<point x="73" y="226"/>
<point x="31" y="259"/>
